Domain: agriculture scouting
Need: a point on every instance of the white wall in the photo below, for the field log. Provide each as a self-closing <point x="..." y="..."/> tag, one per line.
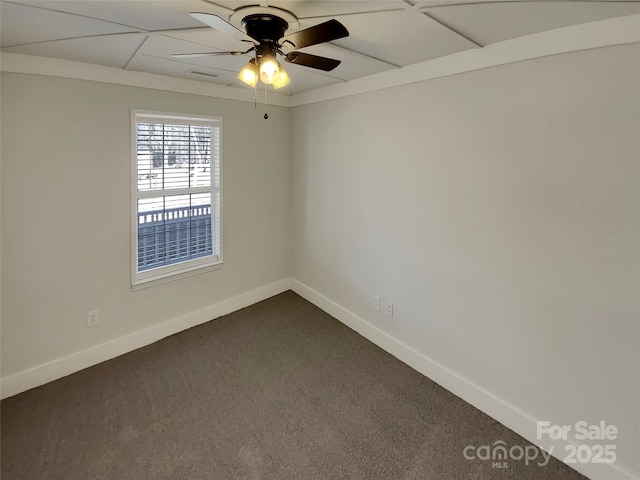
<point x="66" y="214"/>
<point x="499" y="211"/>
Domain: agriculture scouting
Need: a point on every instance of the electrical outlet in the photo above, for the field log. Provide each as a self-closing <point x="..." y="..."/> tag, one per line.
<point x="93" y="318"/>
<point x="376" y="302"/>
<point x="388" y="309"/>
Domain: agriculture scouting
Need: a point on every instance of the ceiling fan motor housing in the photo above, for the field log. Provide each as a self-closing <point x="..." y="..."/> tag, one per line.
<point x="265" y="28"/>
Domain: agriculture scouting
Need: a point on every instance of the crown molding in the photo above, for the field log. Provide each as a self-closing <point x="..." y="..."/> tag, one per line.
<point x="55" y="67"/>
<point x="602" y="33"/>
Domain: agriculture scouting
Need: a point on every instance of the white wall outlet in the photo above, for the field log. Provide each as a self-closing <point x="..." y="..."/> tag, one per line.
<point x="376" y="302"/>
<point x="388" y="309"/>
<point x="93" y="318"/>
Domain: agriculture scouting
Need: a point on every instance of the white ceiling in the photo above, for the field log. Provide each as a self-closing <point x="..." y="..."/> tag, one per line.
<point x="384" y="34"/>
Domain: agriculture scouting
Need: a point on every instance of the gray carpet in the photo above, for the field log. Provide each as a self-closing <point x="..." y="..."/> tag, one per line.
<point x="278" y="390"/>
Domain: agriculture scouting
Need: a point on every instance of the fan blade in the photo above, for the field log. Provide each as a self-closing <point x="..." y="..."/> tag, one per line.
<point x="313" y="61"/>
<point x="203" y="54"/>
<point x="222" y="25"/>
<point x="323" y="32"/>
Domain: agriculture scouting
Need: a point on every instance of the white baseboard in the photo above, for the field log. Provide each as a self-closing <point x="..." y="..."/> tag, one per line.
<point x="510" y="416"/>
<point x="61" y="367"/>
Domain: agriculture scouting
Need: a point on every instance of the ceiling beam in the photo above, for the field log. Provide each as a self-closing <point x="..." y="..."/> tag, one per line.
<point x="74" y="14"/>
<point x="426" y="4"/>
<point x="221" y="7"/>
<point x="416" y="7"/>
<point x="454" y="30"/>
<point x="135" y="52"/>
<point x="138" y="32"/>
<point x="72" y="38"/>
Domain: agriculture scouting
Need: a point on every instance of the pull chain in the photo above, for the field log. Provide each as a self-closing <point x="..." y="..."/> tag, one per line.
<point x="255" y="95"/>
<point x="255" y="87"/>
<point x="266" y="116"/>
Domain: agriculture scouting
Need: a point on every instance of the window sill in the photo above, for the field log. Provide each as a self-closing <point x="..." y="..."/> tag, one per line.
<point x="170" y="277"/>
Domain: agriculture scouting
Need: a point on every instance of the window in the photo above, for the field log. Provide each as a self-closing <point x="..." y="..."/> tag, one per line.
<point x="176" y="195"/>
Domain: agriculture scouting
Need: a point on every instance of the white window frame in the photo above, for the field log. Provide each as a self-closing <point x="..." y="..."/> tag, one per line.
<point x="187" y="268"/>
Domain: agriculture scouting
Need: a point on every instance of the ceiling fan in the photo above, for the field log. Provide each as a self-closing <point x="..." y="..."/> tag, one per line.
<point x="265" y="32"/>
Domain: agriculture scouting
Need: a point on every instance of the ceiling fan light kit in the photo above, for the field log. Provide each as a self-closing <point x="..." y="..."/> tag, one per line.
<point x="265" y="32"/>
<point x="283" y="79"/>
<point x="269" y="70"/>
<point x="249" y="73"/>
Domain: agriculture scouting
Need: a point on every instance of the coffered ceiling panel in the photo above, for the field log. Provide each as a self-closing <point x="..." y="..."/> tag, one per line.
<point x="493" y="22"/>
<point x="23" y="25"/>
<point x="112" y="50"/>
<point x="400" y="38"/>
<point x="193" y="71"/>
<point x="140" y="14"/>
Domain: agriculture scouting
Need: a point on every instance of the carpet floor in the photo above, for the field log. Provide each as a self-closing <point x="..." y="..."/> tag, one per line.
<point x="279" y="390"/>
